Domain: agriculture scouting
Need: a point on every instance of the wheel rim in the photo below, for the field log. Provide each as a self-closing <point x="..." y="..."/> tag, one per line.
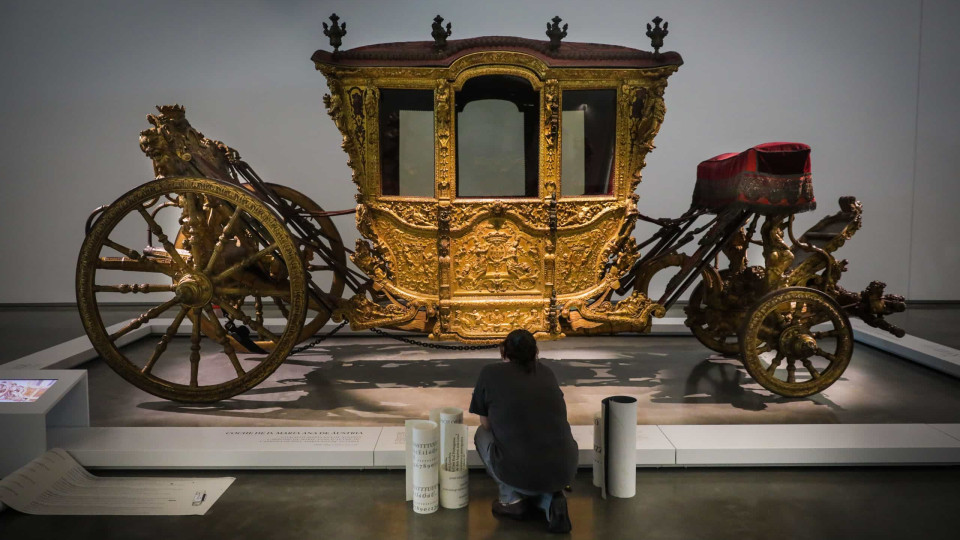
<point x="796" y="342"/>
<point x="234" y="246"/>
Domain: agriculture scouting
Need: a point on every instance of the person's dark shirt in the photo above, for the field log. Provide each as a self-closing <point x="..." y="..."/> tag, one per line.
<point x="533" y="449"/>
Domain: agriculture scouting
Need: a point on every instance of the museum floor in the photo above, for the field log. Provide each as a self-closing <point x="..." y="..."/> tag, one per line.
<point x="358" y="380"/>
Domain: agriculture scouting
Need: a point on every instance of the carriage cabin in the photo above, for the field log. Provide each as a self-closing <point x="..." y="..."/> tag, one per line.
<point x="496" y="178"/>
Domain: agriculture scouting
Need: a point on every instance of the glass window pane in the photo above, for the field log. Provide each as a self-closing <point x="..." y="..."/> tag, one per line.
<point x="497" y="138"/>
<point x="588" y="135"/>
<point x="406" y="142"/>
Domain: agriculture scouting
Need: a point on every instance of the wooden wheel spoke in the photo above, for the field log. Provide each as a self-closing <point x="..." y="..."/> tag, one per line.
<point x="224" y="341"/>
<point x="281" y="306"/>
<point x="134" y="265"/>
<point x="822" y="353"/>
<point x="775" y="363"/>
<point x="810" y="369"/>
<point x="766" y="347"/>
<point x="143" y="318"/>
<point x="246" y="319"/>
<point x="244" y="263"/>
<point x="164" y="341"/>
<point x="133" y="254"/>
<point x="251" y="291"/>
<point x="195" y="222"/>
<point x="224" y="236"/>
<point x="826" y="334"/>
<point x="125" y="288"/>
<point x="791" y="370"/>
<point x="195" y="348"/>
<point x="167" y="245"/>
<point x="814" y="319"/>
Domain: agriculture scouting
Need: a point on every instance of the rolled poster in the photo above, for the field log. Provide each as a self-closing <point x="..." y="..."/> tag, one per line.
<point x="425" y="449"/>
<point x="619" y="449"/>
<point x="454" y="476"/>
<point x="598" y="449"/>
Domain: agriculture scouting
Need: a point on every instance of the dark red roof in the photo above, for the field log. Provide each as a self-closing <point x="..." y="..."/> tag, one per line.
<point x="570" y="54"/>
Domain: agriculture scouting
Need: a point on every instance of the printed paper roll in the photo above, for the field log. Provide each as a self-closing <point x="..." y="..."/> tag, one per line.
<point x="453" y="456"/>
<point x="425" y="447"/>
<point x="446" y="415"/>
<point x="598" y="449"/>
<point x="619" y="429"/>
<point x="454" y="477"/>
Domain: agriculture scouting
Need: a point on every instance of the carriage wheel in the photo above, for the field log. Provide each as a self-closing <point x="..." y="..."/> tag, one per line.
<point x="796" y="342"/>
<point x="234" y="248"/>
<point x="715" y="329"/>
<point x="329" y="281"/>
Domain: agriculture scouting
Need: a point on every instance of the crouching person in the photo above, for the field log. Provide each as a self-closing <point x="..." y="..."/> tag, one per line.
<point x="524" y="438"/>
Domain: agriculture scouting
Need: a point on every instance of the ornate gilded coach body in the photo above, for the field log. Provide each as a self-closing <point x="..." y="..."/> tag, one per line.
<point x="471" y="262"/>
<point x="496" y="182"/>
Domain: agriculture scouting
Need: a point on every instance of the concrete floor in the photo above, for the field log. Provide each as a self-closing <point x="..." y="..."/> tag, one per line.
<point x="816" y="503"/>
<point x="682" y="504"/>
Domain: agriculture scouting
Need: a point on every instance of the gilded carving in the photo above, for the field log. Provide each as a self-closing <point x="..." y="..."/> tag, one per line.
<point x="634" y="310"/>
<point x="364" y="314"/>
<point x="580" y="213"/>
<point x="497" y="257"/>
<point x="177" y="149"/>
<point x="532" y="214"/>
<point x="497" y="321"/>
<point x="415" y="259"/>
<point x="442" y="132"/>
<point x="579" y="261"/>
<point x="415" y="214"/>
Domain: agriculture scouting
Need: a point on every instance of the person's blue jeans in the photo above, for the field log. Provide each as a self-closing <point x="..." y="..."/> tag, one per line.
<point x="508" y="494"/>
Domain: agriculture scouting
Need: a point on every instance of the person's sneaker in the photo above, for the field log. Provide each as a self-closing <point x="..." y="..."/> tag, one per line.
<point x="558" y="520"/>
<point x="515" y="510"/>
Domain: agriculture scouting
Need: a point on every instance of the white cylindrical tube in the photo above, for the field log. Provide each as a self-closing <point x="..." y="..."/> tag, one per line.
<point x="598" y="449"/>
<point x="425" y="445"/>
<point x="620" y="448"/>
<point x="447" y="415"/>
<point x="454" y="476"/>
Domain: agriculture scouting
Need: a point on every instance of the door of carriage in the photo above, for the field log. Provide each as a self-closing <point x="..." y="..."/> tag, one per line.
<point x="499" y="219"/>
<point x="496" y="263"/>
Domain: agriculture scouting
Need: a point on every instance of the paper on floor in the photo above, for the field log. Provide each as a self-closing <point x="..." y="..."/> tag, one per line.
<point x="55" y="484"/>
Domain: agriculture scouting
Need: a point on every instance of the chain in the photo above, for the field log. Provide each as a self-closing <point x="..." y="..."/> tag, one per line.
<point x="318" y="341"/>
<point x="435" y="345"/>
<point x="407" y="340"/>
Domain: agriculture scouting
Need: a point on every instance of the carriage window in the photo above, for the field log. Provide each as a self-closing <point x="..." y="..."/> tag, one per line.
<point x="589" y="125"/>
<point x="406" y="142"/>
<point x="497" y="137"/>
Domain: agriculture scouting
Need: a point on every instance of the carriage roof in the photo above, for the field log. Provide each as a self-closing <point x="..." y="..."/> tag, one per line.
<point x="568" y="55"/>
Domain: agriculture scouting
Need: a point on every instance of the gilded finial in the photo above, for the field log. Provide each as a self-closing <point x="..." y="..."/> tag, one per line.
<point x="555" y="33"/>
<point x="656" y="34"/>
<point x="440" y="34"/>
<point x="335" y="32"/>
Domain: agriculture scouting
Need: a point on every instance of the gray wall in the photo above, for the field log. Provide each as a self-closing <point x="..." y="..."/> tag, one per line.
<point x="870" y="85"/>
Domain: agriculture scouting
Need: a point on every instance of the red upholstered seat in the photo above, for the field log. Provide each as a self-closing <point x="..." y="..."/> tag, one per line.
<point x="769" y="178"/>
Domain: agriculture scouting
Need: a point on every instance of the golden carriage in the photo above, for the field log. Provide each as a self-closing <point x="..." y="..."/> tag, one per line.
<point x="496" y="185"/>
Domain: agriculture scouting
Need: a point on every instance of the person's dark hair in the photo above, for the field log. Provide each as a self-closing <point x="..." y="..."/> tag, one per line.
<point x="520" y="347"/>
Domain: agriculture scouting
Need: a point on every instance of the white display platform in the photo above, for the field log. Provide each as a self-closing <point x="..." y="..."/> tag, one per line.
<point x="218" y="447"/>
<point x="24" y="427"/>
<point x="714" y="445"/>
<point x="814" y="444"/>
<point x="657" y="446"/>
<point x="933" y="355"/>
